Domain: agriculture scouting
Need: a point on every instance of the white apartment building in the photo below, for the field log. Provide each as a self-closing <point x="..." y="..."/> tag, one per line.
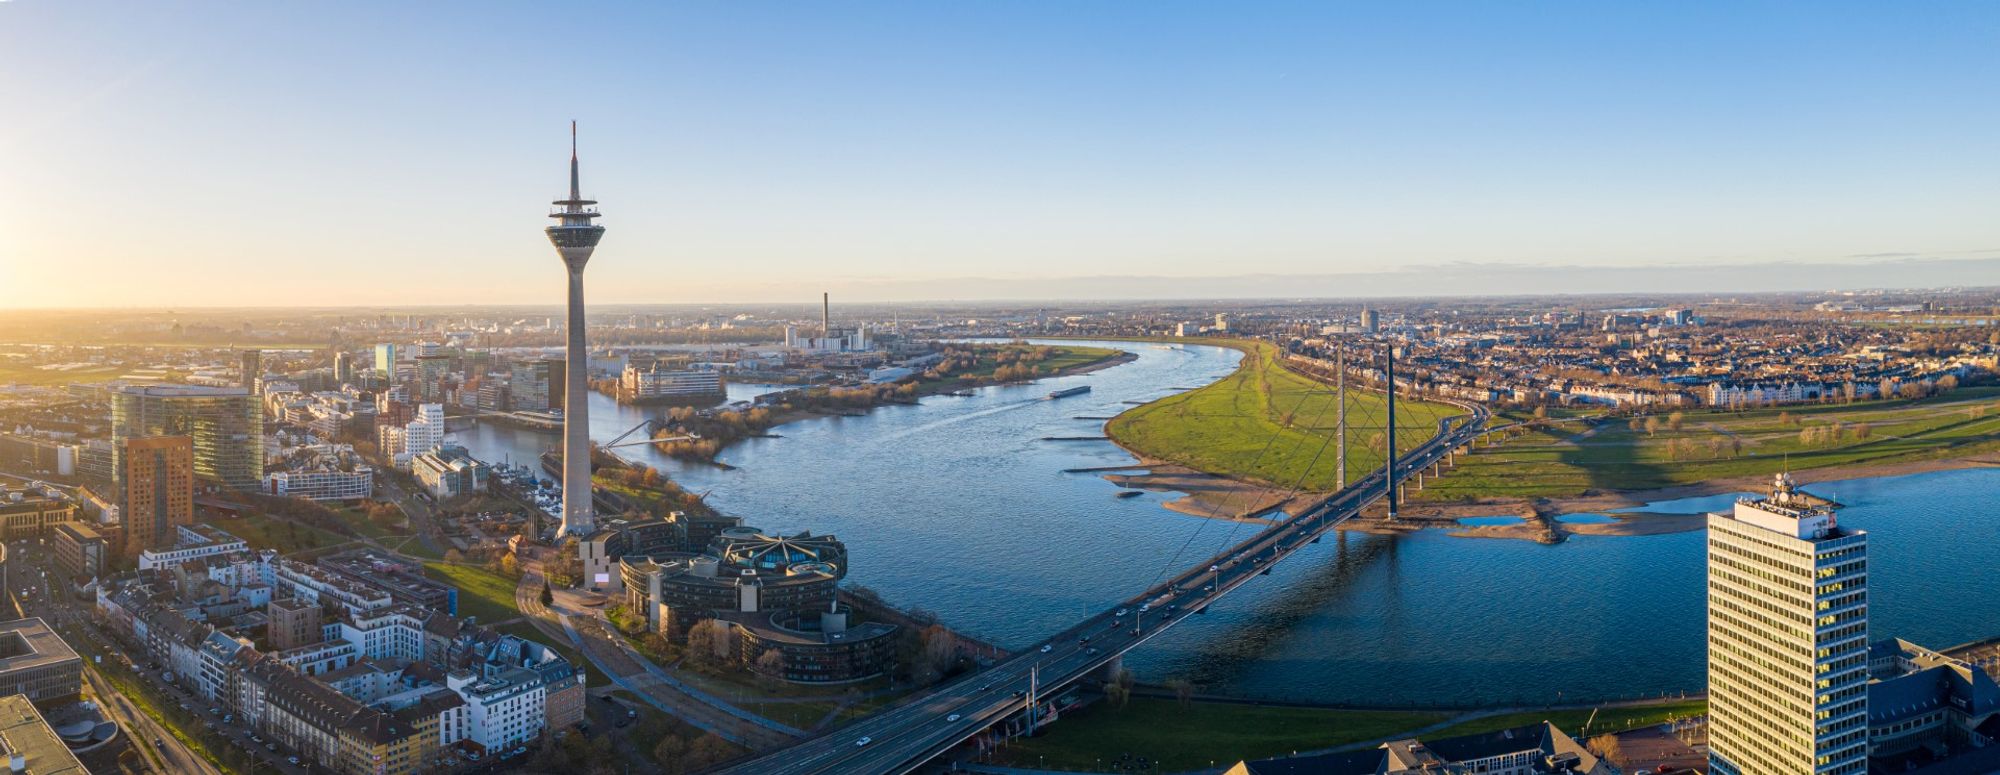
<point x="395" y="633"/>
<point x="315" y="585"/>
<point x="191" y="542"/>
<point x="423" y="434"/>
<point x="329" y="485"/>
<point x="505" y="710"/>
<point x="1787" y="638"/>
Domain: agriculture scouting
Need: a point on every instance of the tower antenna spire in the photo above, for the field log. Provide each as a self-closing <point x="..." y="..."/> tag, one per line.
<point x="575" y="189"/>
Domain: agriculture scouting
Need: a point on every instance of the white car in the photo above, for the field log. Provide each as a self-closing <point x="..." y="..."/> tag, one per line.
<point x="1046" y="648"/>
<point x="864" y="741"/>
<point x="953" y="717"/>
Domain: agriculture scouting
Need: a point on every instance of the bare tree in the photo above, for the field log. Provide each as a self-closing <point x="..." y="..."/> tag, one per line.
<point x="1606" y="747"/>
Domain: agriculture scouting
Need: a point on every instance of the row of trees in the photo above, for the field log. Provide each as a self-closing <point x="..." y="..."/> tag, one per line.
<point x="711" y="432"/>
<point x="1011" y="362"/>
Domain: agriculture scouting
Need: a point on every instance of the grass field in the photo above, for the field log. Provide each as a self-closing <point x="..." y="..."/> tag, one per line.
<point x="264" y="532"/>
<point x="1224" y="428"/>
<point x="1573" y="721"/>
<point x="1178" y="739"/>
<point x="481" y="593"/>
<point x="17" y="374"/>
<point x="1594" y="454"/>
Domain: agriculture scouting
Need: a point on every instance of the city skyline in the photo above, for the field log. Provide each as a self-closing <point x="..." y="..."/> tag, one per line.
<point x="909" y="153"/>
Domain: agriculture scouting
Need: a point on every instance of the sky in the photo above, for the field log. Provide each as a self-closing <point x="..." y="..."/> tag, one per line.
<point x="374" y="153"/>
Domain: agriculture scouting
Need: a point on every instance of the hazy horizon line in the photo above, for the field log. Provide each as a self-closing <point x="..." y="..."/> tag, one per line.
<point x="1458" y="280"/>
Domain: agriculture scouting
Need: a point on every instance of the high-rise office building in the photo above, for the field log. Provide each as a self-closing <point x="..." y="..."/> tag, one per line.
<point x="158" y="489"/>
<point x="431" y="371"/>
<point x="343" y="368"/>
<point x="537" y="385"/>
<point x="1371" y="321"/>
<point x="225" y="424"/>
<point x="1787" y="638"/>
<point x="575" y="236"/>
<point x="253" y="367"/>
<point x="385" y="360"/>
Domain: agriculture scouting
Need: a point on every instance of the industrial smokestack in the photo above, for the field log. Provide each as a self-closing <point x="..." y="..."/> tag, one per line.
<point x="825" y="316"/>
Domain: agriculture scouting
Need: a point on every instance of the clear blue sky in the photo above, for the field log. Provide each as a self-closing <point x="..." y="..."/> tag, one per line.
<point x="388" y="153"/>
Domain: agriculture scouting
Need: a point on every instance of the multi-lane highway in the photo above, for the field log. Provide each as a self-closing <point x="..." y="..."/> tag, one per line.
<point x="902" y="738"/>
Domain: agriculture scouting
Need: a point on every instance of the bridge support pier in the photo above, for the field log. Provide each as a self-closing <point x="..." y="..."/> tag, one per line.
<point x="1109" y="672"/>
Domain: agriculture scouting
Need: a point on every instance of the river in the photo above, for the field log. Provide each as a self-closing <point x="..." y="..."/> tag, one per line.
<point x="956" y="506"/>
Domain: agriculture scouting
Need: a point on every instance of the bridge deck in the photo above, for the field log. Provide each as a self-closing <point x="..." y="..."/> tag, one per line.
<point x="902" y="738"/>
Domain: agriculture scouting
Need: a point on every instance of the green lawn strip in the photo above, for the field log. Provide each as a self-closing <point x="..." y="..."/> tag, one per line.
<point x="481" y="592"/>
<point x="1547" y="463"/>
<point x="359" y="520"/>
<point x="1225" y="427"/>
<point x="1572" y="721"/>
<point x="264" y="532"/>
<point x="414" y="547"/>
<point x="1178" y="739"/>
<point x="790" y="704"/>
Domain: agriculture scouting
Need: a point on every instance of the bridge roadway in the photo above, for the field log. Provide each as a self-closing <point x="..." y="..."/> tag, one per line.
<point x="904" y="737"/>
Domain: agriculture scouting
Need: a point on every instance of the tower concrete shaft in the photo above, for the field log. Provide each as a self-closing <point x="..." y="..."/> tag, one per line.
<point x="575" y="236"/>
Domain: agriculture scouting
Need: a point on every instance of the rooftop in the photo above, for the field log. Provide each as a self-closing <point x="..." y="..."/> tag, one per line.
<point x="30" y="643"/>
<point x="23" y="731"/>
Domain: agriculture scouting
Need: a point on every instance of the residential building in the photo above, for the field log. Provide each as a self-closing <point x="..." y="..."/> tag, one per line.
<point x="322" y="484"/>
<point x="1788" y="638"/>
<point x="158" y="483"/>
<point x="321" y="472"/>
<point x="424" y="433"/>
<point x="79" y="550"/>
<point x="36" y="662"/>
<point x="404" y="581"/>
<point x="314" y="584"/>
<point x="191" y="542"/>
<point x="395" y="633"/>
<point x="293" y="623"/>
<point x="224" y="425"/>
<point x="507" y="708"/>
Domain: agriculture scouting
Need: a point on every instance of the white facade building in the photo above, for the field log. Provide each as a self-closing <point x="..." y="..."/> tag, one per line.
<point x="505" y="710"/>
<point x="1787" y="638"/>
<point x="191" y="542"/>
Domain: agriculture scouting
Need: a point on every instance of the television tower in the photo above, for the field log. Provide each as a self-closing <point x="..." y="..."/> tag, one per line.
<point x="575" y="237"/>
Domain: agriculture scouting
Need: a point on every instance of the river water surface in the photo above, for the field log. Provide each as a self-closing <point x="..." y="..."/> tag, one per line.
<point x="957" y="506"/>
